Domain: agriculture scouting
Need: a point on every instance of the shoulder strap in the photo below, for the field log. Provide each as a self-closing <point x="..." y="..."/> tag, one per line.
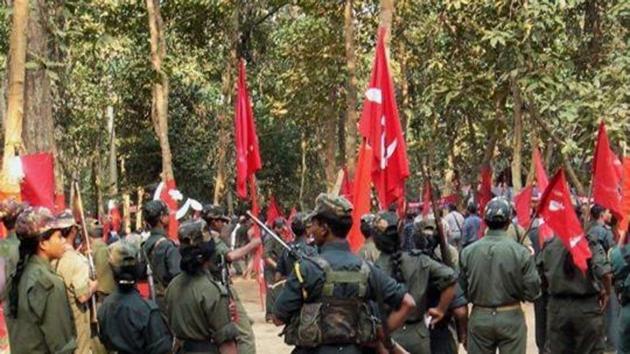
<point x="333" y="277"/>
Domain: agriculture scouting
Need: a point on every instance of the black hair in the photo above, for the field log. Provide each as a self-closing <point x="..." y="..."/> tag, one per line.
<point x="451" y="207"/>
<point x="126" y="277"/>
<point x="366" y="229"/>
<point x="388" y="242"/>
<point x="298" y="228"/>
<point x="472" y="208"/>
<point x="597" y="211"/>
<point x="9" y="221"/>
<point x="497" y="225"/>
<point x="339" y="226"/>
<point x="28" y="247"/>
<point x="193" y="257"/>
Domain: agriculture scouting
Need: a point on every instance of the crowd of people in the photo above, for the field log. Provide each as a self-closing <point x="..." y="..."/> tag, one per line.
<point x="421" y="283"/>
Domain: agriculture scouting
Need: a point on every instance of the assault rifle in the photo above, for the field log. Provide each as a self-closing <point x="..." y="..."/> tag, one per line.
<point x="293" y="252"/>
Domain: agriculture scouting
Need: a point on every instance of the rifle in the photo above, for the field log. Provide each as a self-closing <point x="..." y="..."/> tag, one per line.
<point x="89" y="254"/>
<point x="446" y="256"/>
<point x="149" y="275"/>
<point x="293" y="252"/>
<point x="225" y="280"/>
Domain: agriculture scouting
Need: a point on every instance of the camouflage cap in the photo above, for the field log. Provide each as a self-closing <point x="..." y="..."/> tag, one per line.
<point x="332" y="204"/>
<point x="94" y="228"/>
<point x="153" y="209"/>
<point x="192" y="232"/>
<point x="64" y="220"/>
<point x="213" y="211"/>
<point x="427" y="222"/>
<point x="385" y="220"/>
<point x="33" y="222"/>
<point x="11" y="208"/>
<point x="368" y="218"/>
<point x="123" y="254"/>
<point x="498" y="210"/>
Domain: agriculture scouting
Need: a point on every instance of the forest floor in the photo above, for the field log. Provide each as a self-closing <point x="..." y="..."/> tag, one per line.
<point x="268" y="341"/>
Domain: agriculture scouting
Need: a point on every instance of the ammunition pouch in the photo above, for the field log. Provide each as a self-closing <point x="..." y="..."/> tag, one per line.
<point x="331" y="320"/>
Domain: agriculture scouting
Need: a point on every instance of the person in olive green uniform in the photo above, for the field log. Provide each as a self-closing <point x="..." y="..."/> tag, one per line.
<point x="10" y="209"/>
<point x="497" y="274"/>
<point x="271" y="255"/>
<point x="160" y="252"/>
<point x="215" y="218"/>
<point x="100" y="255"/>
<point x="576" y="300"/>
<point x="74" y="268"/>
<point x="128" y="323"/>
<point x="39" y="318"/>
<point x="620" y="262"/>
<point x="301" y="244"/>
<point x="368" y="252"/>
<point x="419" y="273"/>
<point x="338" y="288"/>
<point x="197" y="307"/>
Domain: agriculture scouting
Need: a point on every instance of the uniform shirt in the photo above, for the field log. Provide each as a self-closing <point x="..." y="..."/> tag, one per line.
<point x="368" y="252"/>
<point x="44" y="320"/>
<point x="621" y="272"/>
<point x="337" y="254"/>
<point x="163" y="257"/>
<point x="408" y="239"/>
<point x="472" y="224"/>
<point x="496" y="271"/>
<point x="130" y="324"/>
<point x="10" y="249"/>
<point x="551" y="263"/>
<point x="603" y="235"/>
<point x="420" y="273"/>
<point x="74" y="269"/>
<point x="197" y="309"/>
<point x="286" y="261"/>
<point x="455" y="222"/>
<point x="104" y="275"/>
<point x="273" y="250"/>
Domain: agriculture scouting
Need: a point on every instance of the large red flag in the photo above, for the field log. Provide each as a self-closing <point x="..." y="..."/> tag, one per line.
<point x="273" y="211"/>
<point x="557" y="211"/>
<point x="522" y="201"/>
<point x="625" y="201"/>
<point x="346" y="185"/>
<point x="380" y="126"/>
<point x="38" y="186"/>
<point x="361" y="193"/>
<point x="484" y="194"/>
<point x="605" y="180"/>
<point x="542" y="181"/>
<point x="247" y="152"/>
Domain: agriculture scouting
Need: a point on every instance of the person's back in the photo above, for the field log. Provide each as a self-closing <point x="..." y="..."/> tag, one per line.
<point x="455" y="221"/>
<point x="620" y="262"/>
<point x="472" y="225"/>
<point x="128" y="323"/>
<point x="497" y="274"/>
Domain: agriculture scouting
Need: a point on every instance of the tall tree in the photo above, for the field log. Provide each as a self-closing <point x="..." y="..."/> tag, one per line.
<point x="517" y="133"/>
<point x="351" y="88"/>
<point x="15" y="104"/>
<point x="159" y="104"/>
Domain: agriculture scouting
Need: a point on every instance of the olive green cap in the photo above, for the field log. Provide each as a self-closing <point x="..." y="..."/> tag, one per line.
<point x="385" y="220"/>
<point x="94" y="228"/>
<point x="213" y="212"/>
<point x="193" y="232"/>
<point x="64" y="220"/>
<point x="498" y="210"/>
<point x="123" y="254"/>
<point x="332" y="204"/>
<point x="33" y="222"/>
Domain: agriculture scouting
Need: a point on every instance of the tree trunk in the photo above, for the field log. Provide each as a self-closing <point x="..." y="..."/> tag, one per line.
<point x="15" y="104"/>
<point x="330" y="145"/>
<point x="303" y="145"/>
<point x="159" y="104"/>
<point x="139" y="209"/>
<point x="387" y="14"/>
<point x="113" y="170"/>
<point x="517" y="142"/>
<point x="224" y="120"/>
<point x="351" y="89"/>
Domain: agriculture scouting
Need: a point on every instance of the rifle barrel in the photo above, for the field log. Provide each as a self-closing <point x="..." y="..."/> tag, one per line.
<point x="269" y="231"/>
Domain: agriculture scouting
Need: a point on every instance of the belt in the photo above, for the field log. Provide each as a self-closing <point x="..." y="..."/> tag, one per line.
<point x="198" y="346"/>
<point x="573" y="296"/>
<point x="501" y="308"/>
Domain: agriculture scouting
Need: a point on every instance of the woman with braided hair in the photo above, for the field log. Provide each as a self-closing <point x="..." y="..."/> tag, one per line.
<point x="418" y="272"/>
<point x="38" y="314"/>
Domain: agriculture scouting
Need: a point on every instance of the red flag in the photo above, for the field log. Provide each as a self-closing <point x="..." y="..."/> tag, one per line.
<point x="273" y="211"/>
<point x="522" y="201"/>
<point x="380" y="126"/>
<point x="426" y="198"/>
<point x="60" y="203"/>
<point x="542" y="181"/>
<point x="605" y="180"/>
<point x="38" y="185"/>
<point x="484" y="194"/>
<point x="167" y="196"/>
<point x="259" y="264"/>
<point x="292" y="214"/>
<point x="557" y="211"/>
<point x="247" y="152"/>
<point x="361" y="193"/>
<point x="625" y="201"/>
<point x="346" y="185"/>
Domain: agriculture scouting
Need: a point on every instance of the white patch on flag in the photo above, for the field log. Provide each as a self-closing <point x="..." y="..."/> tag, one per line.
<point x="574" y="241"/>
<point x="555" y="206"/>
<point x="374" y="95"/>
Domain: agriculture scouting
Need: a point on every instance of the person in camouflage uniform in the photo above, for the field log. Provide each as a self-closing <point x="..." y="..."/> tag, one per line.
<point x="301" y="244"/>
<point x="271" y="255"/>
<point x="10" y="209"/>
<point x="497" y="274"/>
<point x="74" y="268"/>
<point x="197" y="307"/>
<point x="100" y="254"/>
<point x="368" y="252"/>
<point x="159" y="251"/>
<point x="215" y="218"/>
<point x="339" y="283"/>
<point x="576" y="300"/>
<point x="419" y="273"/>
<point x="38" y="314"/>
<point x="129" y="323"/>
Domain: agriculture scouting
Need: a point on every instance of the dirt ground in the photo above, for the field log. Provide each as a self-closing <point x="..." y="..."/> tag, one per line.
<point x="268" y="341"/>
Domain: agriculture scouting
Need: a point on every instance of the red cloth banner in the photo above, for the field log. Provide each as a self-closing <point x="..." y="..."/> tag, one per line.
<point x="605" y="176"/>
<point x="38" y="186"/>
<point x="362" y="193"/>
